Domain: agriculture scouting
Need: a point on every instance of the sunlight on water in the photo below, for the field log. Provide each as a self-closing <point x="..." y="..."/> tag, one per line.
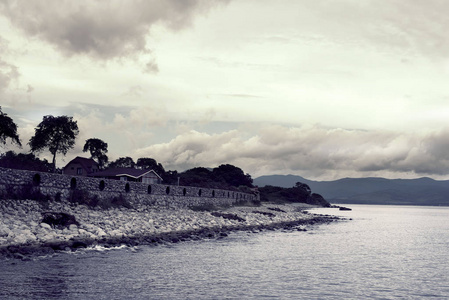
<point x="384" y="252"/>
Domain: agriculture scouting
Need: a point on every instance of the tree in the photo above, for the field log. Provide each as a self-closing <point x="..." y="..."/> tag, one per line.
<point x="55" y="133"/>
<point x="123" y="162"/>
<point x="24" y="162"/>
<point x="98" y="150"/>
<point x="170" y="177"/>
<point x="303" y="186"/>
<point x="299" y="193"/>
<point x="201" y="177"/>
<point x="233" y="175"/>
<point x="150" y="163"/>
<point x="8" y="129"/>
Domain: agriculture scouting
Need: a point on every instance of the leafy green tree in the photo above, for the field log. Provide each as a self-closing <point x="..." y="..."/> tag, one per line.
<point x="8" y="129"/>
<point x="98" y="150"/>
<point x="58" y="134"/>
<point x="123" y="162"/>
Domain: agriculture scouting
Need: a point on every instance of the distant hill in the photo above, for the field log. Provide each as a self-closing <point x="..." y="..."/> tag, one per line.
<point x="371" y="190"/>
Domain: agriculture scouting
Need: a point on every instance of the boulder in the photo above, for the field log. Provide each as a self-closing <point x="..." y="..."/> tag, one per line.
<point x="344" y="208"/>
<point x="58" y="220"/>
<point x="45" y="226"/>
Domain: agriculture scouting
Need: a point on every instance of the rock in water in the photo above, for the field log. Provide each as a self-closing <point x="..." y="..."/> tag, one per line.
<point x="344" y="208"/>
<point x="59" y="219"/>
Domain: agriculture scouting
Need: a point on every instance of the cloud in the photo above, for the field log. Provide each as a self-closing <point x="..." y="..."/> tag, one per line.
<point x="8" y="74"/>
<point x="101" y="29"/>
<point x="311" y="151"/>
<point x="419" y="26"/>
<point x="151" y="67"/>
<point x="133" y="91"/>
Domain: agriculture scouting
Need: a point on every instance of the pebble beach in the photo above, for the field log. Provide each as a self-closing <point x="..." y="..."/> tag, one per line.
<point x="23" y="232"/>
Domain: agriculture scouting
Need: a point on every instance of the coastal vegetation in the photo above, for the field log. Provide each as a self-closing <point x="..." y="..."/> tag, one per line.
<point x="300" y="193"/>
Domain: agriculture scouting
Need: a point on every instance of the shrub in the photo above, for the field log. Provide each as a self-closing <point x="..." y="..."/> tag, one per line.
<point x="58" y="197"/>
<point x="59" y="220"/>
<point x="119" y="201"/>
<point x="24" y="192"/>
<point x="81" y="197"/>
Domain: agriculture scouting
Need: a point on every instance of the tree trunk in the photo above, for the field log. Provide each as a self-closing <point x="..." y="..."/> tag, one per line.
<point x="54" y="162"/>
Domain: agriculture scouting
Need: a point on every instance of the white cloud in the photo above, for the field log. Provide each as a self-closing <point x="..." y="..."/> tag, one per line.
<point x="313" y="152"/>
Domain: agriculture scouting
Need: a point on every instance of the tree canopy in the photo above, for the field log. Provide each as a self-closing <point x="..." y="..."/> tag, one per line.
<point x="224" y="176"/>
<point x="98" y="150"/>
<point x="58" y="134"/>
<point x="299" y="193"/>
<point x="22" y="161"/>
<point x="122" y="162"/>
<point x="8" y="129"/>
<point x="232" y="175"/>
<point x="150" y="163"/>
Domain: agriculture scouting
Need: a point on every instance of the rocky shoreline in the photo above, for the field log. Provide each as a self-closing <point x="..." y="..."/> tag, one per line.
<point x="24" y="232"/>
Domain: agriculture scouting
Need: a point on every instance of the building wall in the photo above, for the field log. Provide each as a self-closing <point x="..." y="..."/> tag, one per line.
<point x="72" y="169"/>
<point x="137" y="193"/>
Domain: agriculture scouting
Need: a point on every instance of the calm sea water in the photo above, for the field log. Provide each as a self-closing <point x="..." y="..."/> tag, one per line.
<point x="385" y="252"/>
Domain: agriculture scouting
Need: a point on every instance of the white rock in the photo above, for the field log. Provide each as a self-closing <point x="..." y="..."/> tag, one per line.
<point x="73" y="227"/>
<point x="100" y="232"/>
<point x="45" y="226"/>
<point x="4" y="230"/>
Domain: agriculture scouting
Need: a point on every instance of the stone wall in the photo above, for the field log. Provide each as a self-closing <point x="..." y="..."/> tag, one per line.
<point x="136" y="193"/>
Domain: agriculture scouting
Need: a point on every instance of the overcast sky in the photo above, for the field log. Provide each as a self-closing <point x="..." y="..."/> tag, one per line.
<point x="321" y="89"/>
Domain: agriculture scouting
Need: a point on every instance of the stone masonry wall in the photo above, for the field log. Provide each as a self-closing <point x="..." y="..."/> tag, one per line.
<point x="136" y="193"/>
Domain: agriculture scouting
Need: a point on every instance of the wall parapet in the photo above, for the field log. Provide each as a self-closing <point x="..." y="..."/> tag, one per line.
<point x="137" y="193"/>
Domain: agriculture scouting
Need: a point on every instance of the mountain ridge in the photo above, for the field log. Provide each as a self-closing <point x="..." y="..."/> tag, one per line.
<point x="370" y="190"/>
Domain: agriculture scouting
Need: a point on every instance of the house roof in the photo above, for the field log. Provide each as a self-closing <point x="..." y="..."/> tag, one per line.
<point x="116" y="172"/>
<point x="86" y="163"/>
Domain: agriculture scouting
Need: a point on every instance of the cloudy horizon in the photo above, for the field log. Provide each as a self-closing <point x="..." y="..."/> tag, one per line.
<point x="320" y="89"/>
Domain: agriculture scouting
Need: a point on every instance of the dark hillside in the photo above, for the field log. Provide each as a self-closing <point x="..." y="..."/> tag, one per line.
<point x="372" y="190"/>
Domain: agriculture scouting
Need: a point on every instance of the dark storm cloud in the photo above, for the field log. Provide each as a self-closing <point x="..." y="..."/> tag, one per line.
<point x="101" y="29"/>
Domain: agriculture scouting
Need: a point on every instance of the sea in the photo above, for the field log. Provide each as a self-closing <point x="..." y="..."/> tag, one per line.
<point x="378" y="252"/>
